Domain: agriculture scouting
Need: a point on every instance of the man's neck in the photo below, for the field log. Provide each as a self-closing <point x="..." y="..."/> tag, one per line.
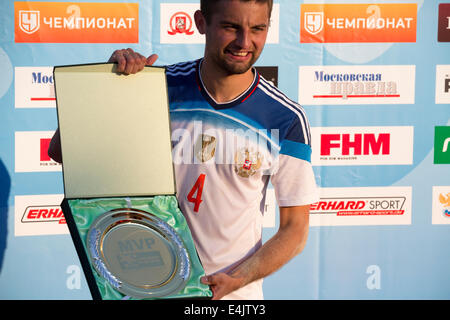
<point x="224" y="87"/>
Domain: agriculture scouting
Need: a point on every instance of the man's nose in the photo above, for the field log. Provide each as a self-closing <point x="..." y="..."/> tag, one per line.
<point x="243" y="38"/>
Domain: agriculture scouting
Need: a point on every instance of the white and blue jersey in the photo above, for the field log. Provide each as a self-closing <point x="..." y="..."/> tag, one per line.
<point x="225" y="154"/>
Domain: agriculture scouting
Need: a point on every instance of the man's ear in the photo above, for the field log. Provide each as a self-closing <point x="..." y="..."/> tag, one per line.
<point x="200" y="22"/>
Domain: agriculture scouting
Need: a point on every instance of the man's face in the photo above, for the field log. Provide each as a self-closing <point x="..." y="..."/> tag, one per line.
<point x="236" y="35"/>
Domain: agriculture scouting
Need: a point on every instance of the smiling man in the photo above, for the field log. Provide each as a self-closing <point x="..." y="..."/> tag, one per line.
<point x="234" y="41"/>
<point x="232" y="133"/>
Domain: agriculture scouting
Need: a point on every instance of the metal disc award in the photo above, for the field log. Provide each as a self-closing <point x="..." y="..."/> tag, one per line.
<point x="132" y="239"/>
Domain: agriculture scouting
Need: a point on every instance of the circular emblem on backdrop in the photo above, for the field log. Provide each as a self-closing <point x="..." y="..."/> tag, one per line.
<point x="247" y="162"/>
<point x="137" y="253"/>
<point x="180" y="22"/>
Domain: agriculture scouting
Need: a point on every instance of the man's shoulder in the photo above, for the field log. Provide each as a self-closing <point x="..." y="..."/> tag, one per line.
<point x="181" y="68"/>
<point x="278" y="102"/>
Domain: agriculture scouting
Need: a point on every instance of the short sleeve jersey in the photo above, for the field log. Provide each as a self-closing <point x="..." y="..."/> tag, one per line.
<point x="225" y="154"/>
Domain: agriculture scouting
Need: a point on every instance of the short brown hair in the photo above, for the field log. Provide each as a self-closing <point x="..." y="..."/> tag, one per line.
<point x="207" y="7"/>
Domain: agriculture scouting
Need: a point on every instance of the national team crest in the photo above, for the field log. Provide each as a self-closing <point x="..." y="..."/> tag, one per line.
<point x="313" y="22"/>
<point x="29" y="21"/>
<point x="247" y="162"/>
<point x="180" y="22"/>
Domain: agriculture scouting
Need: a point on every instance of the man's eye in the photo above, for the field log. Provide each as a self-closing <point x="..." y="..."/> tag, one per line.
<point x="259" y="28"/>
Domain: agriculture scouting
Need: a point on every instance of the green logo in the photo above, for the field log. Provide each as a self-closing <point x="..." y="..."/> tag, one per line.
<point x="442" y="145"/>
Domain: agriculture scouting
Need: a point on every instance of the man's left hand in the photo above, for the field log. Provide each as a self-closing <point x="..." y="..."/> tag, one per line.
<point x="221" y="284"/>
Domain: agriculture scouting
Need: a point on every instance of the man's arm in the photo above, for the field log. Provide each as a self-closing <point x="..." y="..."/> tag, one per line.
<point x="276" y="252"/>
<point x="54" y="149"/>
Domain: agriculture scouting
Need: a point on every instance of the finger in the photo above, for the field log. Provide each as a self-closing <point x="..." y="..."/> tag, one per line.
<point x="215" y="295"/>
<point x="217" y="291"/>
<point x="117" y="57"/>
<point x="151" y="59"/>
<point x="212" y="286"/>
<point x="215" y="283"/>
<point x="135" y="62"/>
<point x="139" y="62"/>
<point x="206" y="280"/>
<point x="129" y="55"/>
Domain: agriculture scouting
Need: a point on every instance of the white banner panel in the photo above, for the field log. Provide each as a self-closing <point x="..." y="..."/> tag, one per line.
<point x="443" y="84"/>
<point x="441" y="205"/>
<point x="342" y="85"/>
<point x="362" y="206"/>
<point x="345" y="146"/>
<point x="34" y="87"/>
<point x="31" y="152"/>
<point x="39" y="215"/>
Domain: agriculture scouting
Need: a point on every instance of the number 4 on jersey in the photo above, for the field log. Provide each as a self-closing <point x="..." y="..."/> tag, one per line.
<point x="198" y="189"/>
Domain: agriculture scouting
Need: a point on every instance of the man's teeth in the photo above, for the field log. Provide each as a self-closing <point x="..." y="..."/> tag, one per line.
<point x="240" y="54"/>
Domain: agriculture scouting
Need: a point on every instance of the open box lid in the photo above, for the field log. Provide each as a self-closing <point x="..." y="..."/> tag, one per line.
<point x="115" y="131"/>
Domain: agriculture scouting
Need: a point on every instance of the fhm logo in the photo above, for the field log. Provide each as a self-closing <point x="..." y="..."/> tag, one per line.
<point x="29" y="21"/>
<point x="442" y="145"/>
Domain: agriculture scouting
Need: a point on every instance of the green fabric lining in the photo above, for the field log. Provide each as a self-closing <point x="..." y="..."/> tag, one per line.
<point x="85" y="211"/>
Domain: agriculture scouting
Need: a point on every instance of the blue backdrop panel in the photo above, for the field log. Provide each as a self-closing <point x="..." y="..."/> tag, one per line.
<point x="381" y="227"/>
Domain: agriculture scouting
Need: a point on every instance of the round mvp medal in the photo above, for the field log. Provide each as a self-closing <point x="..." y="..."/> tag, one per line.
<point x="138" y="254"/>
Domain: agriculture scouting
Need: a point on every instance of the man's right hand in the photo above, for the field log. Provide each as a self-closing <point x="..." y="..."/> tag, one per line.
<point x="130" y="62"/>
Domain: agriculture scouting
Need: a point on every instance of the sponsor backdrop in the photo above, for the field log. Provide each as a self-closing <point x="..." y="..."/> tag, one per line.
<point x="374" y="78"/>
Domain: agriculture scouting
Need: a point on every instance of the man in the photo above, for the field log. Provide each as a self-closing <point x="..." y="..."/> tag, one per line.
<point x="232" y="131"/>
